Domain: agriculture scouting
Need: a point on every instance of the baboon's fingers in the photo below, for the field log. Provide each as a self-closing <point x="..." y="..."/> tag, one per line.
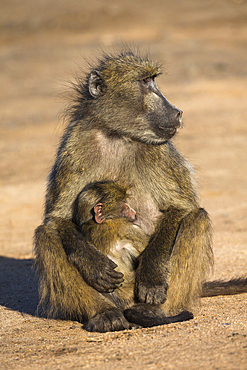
<point x="156" y="295"/>
<point x="108" y="285"/>
<point x="116" y="275"/>
<point x="107" y="271"/>
<point x="151" y="294"/>
<point x="101" y="287"/>
<point x="112" y="264"/>
<point x="110" y="320"/>
<point x="112" y="277"/>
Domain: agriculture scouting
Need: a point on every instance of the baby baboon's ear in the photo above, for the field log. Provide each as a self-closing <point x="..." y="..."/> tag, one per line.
<point x="95" y="84"/>
<point x="99" y="213"/>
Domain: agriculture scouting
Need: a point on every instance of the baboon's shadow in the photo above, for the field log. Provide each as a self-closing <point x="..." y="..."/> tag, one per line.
<point x="18" y="285"/>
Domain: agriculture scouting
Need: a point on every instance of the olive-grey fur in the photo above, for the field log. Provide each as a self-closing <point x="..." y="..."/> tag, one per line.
<point x="119" y="129"/>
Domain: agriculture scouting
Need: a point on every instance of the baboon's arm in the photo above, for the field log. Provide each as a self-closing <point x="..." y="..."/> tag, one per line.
<point x="96" y="269"/>
<point x="151" y="285"/>
<point x="182" y="245"/>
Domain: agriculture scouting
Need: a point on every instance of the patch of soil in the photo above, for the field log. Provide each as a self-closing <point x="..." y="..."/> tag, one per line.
<point x="203" y="46"/>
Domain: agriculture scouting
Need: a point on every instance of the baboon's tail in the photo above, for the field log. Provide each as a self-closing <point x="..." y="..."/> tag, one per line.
<point x="221" y="287"/>
<point x="148" y="315"/>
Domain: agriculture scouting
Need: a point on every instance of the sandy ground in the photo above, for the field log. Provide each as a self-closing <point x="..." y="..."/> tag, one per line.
<point x="204" y="48"/>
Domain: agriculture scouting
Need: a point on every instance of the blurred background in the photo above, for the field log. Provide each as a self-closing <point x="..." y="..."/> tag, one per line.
<point x="203" y="47"/>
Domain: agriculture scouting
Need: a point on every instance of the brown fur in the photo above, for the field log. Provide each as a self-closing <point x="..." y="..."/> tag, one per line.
<point x="116" y="236"/>
<point x="123" y="242"/>
<point x="120" y="127"/>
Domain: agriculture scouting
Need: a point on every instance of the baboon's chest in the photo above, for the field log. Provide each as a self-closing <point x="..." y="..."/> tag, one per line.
<point x="126" y="163"/>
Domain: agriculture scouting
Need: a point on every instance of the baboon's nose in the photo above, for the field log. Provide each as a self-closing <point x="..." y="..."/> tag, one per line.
<point x="179" y="117"/>
<point x="179" y="114"/>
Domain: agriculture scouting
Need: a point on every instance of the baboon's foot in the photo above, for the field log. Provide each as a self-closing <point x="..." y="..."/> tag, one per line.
<point x="109" y="320"/>
<point x="148" y="315"/>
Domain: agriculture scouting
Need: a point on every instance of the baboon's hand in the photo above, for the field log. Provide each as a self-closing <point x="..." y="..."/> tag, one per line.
<point x="101" y="274"/>
<point x="147" y="293"/>
<point x="98" y="270"/>
<point x="150" y="286"/>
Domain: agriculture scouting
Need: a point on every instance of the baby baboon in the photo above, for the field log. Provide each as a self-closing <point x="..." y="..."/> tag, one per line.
<point x="107" y="221"/>
<point x="120" y="126"/>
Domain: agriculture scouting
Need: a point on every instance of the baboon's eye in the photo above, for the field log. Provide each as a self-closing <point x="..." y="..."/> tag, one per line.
<point x="146" y="80"/>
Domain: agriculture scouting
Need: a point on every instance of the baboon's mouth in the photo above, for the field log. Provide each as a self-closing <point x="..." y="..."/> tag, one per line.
<point x="172" y="131"/>
<point x="168" y="133"/>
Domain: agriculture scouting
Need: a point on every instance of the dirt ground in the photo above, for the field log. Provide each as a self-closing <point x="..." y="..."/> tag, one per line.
<point x="203" y="45"/>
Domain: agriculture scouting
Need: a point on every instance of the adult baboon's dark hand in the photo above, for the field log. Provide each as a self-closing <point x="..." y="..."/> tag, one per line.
<point x="150" y="286"/>
<point x="147" y="292"/>
<point x="100" y="272"/>
<point x="96" y="269"/>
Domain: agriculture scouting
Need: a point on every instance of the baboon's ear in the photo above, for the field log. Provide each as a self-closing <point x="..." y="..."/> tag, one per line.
<point x="99" y="213"/>
<point x="95" y="84"/>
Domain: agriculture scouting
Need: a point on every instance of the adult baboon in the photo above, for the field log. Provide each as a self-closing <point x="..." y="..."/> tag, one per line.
<point x="120" y="126"/>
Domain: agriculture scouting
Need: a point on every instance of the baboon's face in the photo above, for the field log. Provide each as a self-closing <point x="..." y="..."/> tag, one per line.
<point x="113" y="210"/>
<point x="129" y="101"/>
<point x="162" y="118"/>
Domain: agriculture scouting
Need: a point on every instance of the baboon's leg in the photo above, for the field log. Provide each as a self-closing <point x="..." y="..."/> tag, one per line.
<point x="64" y="293"/>
<point x="190" y="262"/>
